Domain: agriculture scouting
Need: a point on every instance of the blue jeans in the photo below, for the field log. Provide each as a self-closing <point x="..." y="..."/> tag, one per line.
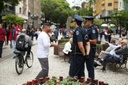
<point x="14" y="47"/>
<point x="109" y="58"/>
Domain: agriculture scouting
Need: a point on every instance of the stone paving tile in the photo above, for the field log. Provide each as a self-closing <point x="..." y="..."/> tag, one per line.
<point x="58" y="67"/>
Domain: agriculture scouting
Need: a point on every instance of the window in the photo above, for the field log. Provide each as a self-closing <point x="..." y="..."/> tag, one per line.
<point x="20" y="10"/>
<point x="109" y="4"/>
<point x="120" y="4"/>
<point x="24" y="11"/>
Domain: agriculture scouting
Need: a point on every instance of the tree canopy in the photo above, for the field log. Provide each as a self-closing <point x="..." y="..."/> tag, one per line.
<point x="13" y="18"/>
<point x="120" y="18"/>
<point x="2" y="7"/>
<point x="56" y="10"/>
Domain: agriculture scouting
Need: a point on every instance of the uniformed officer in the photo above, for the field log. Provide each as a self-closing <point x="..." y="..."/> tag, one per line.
<point x="93" y="36"/>
<point x="80" y="49"/>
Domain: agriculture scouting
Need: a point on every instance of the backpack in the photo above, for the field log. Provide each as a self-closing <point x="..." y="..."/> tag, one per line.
<point x="21" y="44"/>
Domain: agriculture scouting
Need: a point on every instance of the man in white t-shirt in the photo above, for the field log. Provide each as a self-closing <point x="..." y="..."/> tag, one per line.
<point x="43" y="50"/>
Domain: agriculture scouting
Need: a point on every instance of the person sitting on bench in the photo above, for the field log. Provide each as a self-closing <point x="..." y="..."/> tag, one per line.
<point x="112" y="45"/>
<point x="115" y="55"/>
<point x="67" y="47"/>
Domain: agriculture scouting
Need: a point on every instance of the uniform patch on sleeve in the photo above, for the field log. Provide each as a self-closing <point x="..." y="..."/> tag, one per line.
<point x="77" y="32"/>
<point x="93" y="31"/>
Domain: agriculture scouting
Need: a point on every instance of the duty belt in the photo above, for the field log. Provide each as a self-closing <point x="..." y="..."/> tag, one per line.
<point x="77" y="53"/>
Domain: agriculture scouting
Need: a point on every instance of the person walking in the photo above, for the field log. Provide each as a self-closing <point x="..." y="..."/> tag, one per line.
<point x="37" y="33"/>
<point x="110" y="33"/>
<point x="56" y="34"/>
<point x="93" y="37"/>
<point x="14" y="32"/>
<point x="43" y="50"/>
<point x="7" y="34"/>
<point x="2" y="39"/>
<point x="80" y="49"/>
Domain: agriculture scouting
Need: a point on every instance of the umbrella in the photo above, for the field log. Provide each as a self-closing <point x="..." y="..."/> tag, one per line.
<point x="112" y="25"/>
<point x="104" y="25"/>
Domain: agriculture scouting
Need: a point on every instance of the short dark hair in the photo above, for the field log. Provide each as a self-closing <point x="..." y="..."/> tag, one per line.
<point x="79" y="23"/>
<point x="46" y="24"/>
<point x="14" y="23"/>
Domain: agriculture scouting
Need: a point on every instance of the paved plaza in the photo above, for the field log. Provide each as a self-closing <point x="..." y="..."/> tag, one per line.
<point x="58" y="67"/>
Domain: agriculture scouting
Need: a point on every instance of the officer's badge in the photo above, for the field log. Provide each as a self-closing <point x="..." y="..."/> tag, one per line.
<point x="77" y="32"/>
<point x="86" y="37"/>
<point x="93" y="31"/>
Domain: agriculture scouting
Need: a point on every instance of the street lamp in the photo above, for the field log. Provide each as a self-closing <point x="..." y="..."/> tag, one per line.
<point x="48" y="21"/>
<point x="33" y="17"/>
<point x="43" y="20"/>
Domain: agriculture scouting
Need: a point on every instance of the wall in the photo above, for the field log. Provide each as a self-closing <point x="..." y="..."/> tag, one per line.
<point x="22" y="9"/>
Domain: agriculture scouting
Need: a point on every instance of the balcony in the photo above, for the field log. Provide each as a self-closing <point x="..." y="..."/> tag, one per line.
<point x="115" y="7"/>
<point x="94" y="10"/>
<point x="103" y="8"/>
<point x="116" y="1"/>
<point x="103" y="2"/>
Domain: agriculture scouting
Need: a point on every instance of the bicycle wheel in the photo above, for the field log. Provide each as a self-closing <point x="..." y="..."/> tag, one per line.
<point x="29" y="60"/>
<point x="19" y="64"/>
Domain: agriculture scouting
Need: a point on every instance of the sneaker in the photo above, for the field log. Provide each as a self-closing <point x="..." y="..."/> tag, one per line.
<point x="28" y="57"/>
<point x="21" y="65"/>
<point x="96" y="64"/>
<point x="14" y="57"/>
<point x="103" y="69"/>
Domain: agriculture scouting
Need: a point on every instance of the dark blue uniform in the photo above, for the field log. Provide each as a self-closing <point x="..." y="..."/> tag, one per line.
<point x="93" y="34"/>
<point x="78" y="60"/>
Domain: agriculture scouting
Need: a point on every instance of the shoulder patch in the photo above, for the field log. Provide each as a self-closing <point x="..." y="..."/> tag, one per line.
<point x="77" y="32"/>
<point x="93" y="31"/>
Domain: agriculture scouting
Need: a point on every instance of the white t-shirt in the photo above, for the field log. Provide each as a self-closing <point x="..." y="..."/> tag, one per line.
<point x="38" y="32"/>
<point x="67" y="48"/>
<point x="43" y="45"/>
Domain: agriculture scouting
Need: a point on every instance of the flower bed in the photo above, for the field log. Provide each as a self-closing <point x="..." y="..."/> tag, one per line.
<point x="67" y="81"/>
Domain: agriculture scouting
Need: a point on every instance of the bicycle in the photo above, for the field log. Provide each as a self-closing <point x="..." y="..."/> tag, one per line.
<point x="21" y="59"/>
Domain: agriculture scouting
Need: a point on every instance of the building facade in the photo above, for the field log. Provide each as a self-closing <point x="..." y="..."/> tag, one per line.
<point x="21" y="10"/>
<point x="122" y="5"/>
<point x="34" y="13"/>
<point x="103" y="8"/>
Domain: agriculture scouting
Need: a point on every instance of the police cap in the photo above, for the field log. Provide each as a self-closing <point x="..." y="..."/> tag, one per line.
<point x="89" y="17"/>
<point x="78" y="18"/>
